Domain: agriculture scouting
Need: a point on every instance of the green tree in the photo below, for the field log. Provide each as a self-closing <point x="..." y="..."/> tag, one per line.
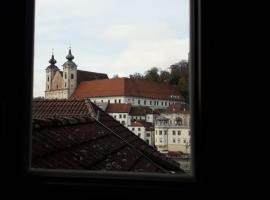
<point x="152" y="74"/>
<point x="164" y="76"/>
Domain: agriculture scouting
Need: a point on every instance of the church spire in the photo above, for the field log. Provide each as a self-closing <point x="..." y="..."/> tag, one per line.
<point x="52" y="61"/>
<point x="69" y="57"/>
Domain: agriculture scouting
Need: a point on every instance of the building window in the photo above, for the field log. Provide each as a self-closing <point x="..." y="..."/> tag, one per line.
<point x="144" y="102"/>
<point x="65" y="85"/>
<point x="123" y="122"/>
<point x="108" y="101"/>
<point x="65" y="75"/>
<point x="160" y="132"/>
<point x="179" y="140"/>
<point x="139" y="134"/>
<point x="139" y="102"/>
<point x="165" y="103"/>
<point x="119" y="100"/>
<point x="160" y="140"/>
<point x="179" y="132"/>
<point x="173" y="140"/>
<point x="115" y="101"/>
<point x="162" y="103"/>
<point x="48" y="87"/>
<point x="124" y="116"/>
<point x="120" y="116"/>
<point x="184" y="141"/>
<point x="173" y="132"/>
<point x="56" y="86"/>
<point x="48" y="78"/>
<point x="165" y="132"/>
<point x="133" y="129"/>
<point x="150" y="102"/>
<point x="114" y="116"/>
<point x="148" y="134"/>
<point x="72" y="76"/>
<point x="101" y="101"/>
<point x="157" y="103"/>
<point x="139" y="129"/>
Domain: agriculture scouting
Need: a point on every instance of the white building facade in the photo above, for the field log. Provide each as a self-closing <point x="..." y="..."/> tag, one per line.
<point x="136" y="101"/>
<point x="172" y="132"/>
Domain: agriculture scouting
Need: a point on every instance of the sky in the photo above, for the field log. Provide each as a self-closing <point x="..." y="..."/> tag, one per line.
<point x="110" y="36"/>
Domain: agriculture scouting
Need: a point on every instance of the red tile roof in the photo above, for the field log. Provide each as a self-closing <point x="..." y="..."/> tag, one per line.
<point x="140" y="111"/>
<point x="127" y="87"/>
<point x="140" y="123"/>
<point x="94" y="141"/>
<point x="118" y="108"/>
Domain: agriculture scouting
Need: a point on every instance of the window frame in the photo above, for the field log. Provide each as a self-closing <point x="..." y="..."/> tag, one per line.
<point x="87" y="178"/>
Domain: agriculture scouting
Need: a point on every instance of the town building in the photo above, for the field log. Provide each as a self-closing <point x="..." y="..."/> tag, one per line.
<point x="144" y="130"/>
<point x="134" y="91"/>
<point x="172" y="129"/>
<point x="78" y="135"/>
<point x="62" y="84"/>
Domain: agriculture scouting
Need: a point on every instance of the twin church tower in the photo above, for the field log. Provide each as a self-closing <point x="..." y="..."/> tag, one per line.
<point x="62" y="84"/>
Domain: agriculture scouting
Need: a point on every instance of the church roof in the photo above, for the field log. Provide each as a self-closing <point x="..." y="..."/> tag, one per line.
<point x="94" y="141"/>
<point x="127" y="87"/>
<point x="88" y="76"/>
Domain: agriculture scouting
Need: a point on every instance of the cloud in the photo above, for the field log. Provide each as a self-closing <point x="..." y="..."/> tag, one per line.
<point x="147" y="46"/>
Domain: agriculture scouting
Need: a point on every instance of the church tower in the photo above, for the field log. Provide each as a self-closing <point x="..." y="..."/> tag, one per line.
<point x="69" y="74"/>
<point x="50" y="72"/>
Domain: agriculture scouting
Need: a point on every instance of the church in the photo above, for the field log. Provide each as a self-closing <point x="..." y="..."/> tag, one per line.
<point x="62" y="84"/>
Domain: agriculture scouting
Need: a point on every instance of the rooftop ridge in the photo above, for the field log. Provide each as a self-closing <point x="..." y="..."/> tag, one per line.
<point x="60" y="121"/>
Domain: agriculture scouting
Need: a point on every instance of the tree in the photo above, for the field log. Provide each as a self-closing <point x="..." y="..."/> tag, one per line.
<point x="152" y="74"/>
<point x="164" y="76"/>
<point x="136" y="75"/>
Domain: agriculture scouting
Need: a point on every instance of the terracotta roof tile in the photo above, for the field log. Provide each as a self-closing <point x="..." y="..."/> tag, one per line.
<point x="127" y="87"/>
<point x="140" y="111"/>
<point x="118" y="108"/>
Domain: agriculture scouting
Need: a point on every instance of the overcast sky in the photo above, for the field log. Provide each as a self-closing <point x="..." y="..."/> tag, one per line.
<point x="110" y="36"/>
